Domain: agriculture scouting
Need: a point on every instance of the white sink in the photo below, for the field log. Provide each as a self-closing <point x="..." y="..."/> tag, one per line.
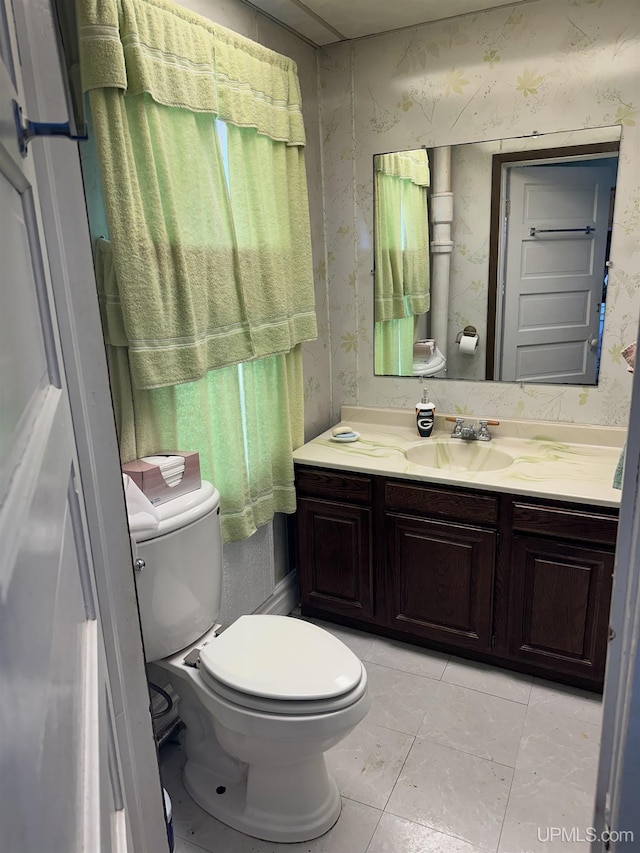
<point x="459" y="455"/>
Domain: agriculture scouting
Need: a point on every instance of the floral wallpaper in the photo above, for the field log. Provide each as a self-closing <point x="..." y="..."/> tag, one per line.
<point x="545" y="66"/>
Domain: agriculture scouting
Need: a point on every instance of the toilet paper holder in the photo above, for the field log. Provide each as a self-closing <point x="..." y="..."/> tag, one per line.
<point x="468" y="332"/>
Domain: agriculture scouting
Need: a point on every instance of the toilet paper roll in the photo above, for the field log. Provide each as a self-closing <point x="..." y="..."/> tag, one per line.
<point x="468" y="344"/>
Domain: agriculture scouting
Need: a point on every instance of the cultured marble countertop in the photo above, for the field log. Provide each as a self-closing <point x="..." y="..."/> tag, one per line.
<point x="569" y="462"/>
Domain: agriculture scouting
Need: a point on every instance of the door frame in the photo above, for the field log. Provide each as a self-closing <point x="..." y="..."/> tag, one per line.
<point x="500" y="163"/>
<point x="66" y="231"/>
<point x="616" y="806"/>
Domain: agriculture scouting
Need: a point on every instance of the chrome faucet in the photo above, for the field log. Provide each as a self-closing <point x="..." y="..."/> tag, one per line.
<point x="472" y="433"/>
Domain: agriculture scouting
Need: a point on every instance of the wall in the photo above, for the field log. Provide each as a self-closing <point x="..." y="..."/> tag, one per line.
<point x="547" y="66"/>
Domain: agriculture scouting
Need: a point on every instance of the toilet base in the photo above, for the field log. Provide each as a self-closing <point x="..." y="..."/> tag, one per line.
<point x="284" y="804"/>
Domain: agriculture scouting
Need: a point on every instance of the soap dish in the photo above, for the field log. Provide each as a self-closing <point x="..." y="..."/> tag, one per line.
<point x="346" y="437"/>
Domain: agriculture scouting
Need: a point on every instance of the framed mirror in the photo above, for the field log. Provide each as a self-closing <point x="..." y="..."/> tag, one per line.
<point x="491" y="258"/>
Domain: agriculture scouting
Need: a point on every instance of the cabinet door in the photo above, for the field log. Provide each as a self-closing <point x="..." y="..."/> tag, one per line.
<point x="559" y="608"/>
<point x="335" y="563"/>
<point x="440" y="580"/>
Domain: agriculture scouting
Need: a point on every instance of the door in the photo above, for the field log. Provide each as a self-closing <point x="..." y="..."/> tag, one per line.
<point x="440" y="580"/>
<point x="560" y="596"/>
<point x="61" y="781"/>
<point x="556" y="243"/>
<point x="335" y="565"/>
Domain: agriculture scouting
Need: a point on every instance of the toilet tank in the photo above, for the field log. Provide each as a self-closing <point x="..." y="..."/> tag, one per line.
<point x="180" y="585"/>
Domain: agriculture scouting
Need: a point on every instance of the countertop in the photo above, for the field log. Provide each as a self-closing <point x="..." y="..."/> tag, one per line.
<point x="568" y="462"/>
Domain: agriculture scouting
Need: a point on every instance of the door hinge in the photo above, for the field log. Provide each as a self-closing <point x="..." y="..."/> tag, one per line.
<point x="507" y="208"/>
<point x="606" y="821"/>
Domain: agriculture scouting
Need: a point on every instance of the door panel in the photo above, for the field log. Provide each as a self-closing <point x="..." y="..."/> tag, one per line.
<point x="538" y="363"/>
<point x="335" y="566"/>
<point x="441" y="580"/>
<point x="554" y="271"/>
<point x="559" y="606"/>
<point x="57" y="790"/>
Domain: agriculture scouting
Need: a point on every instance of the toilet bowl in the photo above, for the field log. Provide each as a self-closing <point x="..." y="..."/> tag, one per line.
<point x="256" y="761"/>
<point x="262" y="701"/>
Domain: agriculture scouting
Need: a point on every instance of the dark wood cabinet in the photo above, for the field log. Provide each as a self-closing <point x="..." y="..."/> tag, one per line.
<point x="525" y="583"/>
<point x="440" y="549"/>
<point x="440" y="580"/>
<point x="334" y="542"/>
<point x="559" y="611"/>
<point x="561" y="576"/>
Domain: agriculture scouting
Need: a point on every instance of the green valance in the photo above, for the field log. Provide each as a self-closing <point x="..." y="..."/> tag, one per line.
<point x="410" y="165"/>
<point x="183" y="60"/>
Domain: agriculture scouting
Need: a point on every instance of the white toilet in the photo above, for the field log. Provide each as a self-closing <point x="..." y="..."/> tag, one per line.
<point x="262" y="701"/>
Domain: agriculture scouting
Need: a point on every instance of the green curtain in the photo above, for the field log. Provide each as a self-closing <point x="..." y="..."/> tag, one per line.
<point x="393" y="347"/>
<point x="205" y="282"/>
<point x="401" y="235"/>
<point x="192" y="299"/>
<point x="270" y="214"/>
<point x="401" y="231"/>
<point x="244" y="421"/>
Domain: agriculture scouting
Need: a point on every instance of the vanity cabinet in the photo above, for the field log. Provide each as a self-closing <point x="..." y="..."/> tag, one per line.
<point x="521" y="582"/>
<point x="560" y="587"/>
<point x="440" y="557"/>
<point x="335" y="555"/>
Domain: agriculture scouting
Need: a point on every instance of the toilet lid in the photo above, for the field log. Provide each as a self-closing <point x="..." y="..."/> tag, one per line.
<point x="279" y="657"/>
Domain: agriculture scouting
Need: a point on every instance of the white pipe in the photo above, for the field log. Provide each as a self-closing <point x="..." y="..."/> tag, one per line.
<point x="441" y="215"/>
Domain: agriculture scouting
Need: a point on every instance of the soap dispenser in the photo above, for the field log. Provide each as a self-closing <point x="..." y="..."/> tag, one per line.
<point x="425" y="415"/>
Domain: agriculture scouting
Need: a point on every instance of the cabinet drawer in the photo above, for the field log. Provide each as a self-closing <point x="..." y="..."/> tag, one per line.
<point x="579" y="525"/>
<point x="439" y="503"/>
<point x="336" y="485"/>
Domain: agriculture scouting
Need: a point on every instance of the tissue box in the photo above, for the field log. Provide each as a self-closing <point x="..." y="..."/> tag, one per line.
<point x="424" y="349"/>
<point x="148" y="478"/>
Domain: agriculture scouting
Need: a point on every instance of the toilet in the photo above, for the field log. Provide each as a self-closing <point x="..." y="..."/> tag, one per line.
<point x="262" y="701"/>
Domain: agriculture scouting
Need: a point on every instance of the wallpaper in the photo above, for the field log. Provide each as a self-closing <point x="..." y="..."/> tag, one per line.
<point x="547" y="66"/>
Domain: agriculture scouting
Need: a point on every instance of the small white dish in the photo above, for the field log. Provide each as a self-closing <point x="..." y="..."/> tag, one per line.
<point x="346" y="438"/>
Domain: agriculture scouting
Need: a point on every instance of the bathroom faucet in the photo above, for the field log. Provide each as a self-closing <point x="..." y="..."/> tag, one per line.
<point x="471" y="433"/>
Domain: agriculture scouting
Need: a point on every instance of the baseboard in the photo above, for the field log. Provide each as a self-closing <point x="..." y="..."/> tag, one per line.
<point x="284" y="597"/>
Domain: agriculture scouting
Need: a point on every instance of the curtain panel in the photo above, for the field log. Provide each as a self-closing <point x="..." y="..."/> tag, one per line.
<point x="393" y="347"/>
<point x="200" y="285"/>
<point x="204" y="278"/>
<point x="401" y="235"/>
<point x="243" y="420"/>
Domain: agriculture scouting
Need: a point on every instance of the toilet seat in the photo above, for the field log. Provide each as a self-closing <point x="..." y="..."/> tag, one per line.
<point x="282" y="666"/>
<point x="285" y="707"/>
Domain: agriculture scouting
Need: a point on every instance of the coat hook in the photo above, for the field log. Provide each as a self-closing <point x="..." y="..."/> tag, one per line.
<point x="27" y="130"/>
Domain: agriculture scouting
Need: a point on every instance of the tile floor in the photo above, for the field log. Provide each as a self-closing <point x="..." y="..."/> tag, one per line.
<point x="453" y="757"/>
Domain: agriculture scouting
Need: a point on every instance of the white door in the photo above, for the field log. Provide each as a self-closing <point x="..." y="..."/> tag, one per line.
<point x="553" y="275"/>
<point x="60" y="762"/>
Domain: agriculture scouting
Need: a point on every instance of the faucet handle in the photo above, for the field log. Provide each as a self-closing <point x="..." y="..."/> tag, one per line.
<point x="483" y="431"/>
<point x="457" y="430"/>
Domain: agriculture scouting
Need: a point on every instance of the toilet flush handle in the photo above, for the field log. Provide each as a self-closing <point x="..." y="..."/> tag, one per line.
<point x="139" y="564"/>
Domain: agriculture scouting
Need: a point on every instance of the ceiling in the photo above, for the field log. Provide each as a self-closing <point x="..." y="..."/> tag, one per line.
<point x="323" y="22"/>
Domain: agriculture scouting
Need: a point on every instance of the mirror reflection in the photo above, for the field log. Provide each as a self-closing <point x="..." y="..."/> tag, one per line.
<point x="491" y="258"/>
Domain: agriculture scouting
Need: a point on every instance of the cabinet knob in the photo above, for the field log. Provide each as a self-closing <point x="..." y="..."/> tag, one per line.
<point x="139" y="564"/>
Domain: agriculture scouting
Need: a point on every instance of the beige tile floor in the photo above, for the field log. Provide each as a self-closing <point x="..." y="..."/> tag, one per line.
<point x="453" y="757"/>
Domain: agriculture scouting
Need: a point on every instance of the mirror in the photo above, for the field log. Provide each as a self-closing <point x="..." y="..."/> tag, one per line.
<point x="490" y="258"/>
